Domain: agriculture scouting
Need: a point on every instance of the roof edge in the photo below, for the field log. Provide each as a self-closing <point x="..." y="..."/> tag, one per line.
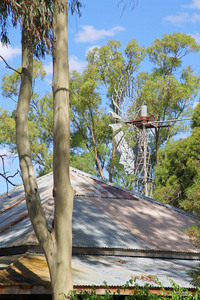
<point x="105" y="251"/>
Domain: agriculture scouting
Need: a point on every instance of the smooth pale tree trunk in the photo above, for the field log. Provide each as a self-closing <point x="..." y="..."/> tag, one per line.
<point x="22" y="139"/>
<point x="63" y="191"/>
<point x="57" y="244"/>
<point x="112" y="164"/>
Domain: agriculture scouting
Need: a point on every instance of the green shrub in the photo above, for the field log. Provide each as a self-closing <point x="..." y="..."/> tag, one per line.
<point x="139" y="293"/>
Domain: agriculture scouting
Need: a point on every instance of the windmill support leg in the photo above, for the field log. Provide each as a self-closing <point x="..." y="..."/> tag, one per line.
<point x="145" y="161"/>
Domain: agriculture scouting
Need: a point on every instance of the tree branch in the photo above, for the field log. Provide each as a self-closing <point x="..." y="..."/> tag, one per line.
<point x="6" y="178"/>
<point x="9" y="66"/>
<point x="8" y="181"/>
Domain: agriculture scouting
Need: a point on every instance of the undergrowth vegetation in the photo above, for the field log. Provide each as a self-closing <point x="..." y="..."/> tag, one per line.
<point x="138" y="293"/>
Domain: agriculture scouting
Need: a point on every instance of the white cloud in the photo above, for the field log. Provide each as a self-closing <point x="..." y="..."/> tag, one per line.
<point x="195" y="104"/>
<point x="8" y="52"/>
<point x="196" y="36"/>
<point x="74" y="64"/>
<point x="49" y="68"/>
<point x="5" y="151"/>
<point x="183" y="18"/>
<point x="195" y="18"/>
<point x="89" y="34"/>
<point x="91" y="48"/>
<point x="195" y="4"/>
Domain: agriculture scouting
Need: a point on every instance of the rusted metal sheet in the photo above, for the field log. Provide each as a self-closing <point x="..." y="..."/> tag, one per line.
<point x="155" y="225"/>
<point x="90" y="270"/>
<point x="116" y="191"/>
<point x="104" y="216"/>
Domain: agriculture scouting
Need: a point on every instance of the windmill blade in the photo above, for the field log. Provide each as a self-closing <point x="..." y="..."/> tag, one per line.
<point x="115" y="116"/>
<point x="127" y="157"/>
<point x="116" y="126"/>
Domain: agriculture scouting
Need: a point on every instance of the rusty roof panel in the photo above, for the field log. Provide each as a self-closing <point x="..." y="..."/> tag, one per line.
<point x="104" y="216"/>
<point x="90" y="227"/>
<point x="88" y="186"/>
<point x="116" y="192"/>
<point x="156" y="226"/>
<point x="94" y="270"/>
<point x="93" y="228"/>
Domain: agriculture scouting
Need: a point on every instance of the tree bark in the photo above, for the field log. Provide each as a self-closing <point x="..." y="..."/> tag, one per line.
<point x="57" y="245"/>
<point x="34" y="206"/>
<point x="112" y="164"/>
<point x="60" y="264"/>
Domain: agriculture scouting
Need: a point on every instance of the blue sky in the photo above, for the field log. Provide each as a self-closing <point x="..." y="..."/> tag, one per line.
<point x="104" y="20"/>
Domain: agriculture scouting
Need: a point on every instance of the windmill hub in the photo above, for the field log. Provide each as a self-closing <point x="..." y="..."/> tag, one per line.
<point x="144" y="120"/>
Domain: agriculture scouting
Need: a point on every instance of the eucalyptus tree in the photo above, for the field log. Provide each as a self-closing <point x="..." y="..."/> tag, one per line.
<point x="90" y="133"/>
<point x="169" y="88"/>
<point x="178" y="174"/>
<point x="44" y="27"/>
<point x="37" y="18"/>
<point x="111" y="63"/>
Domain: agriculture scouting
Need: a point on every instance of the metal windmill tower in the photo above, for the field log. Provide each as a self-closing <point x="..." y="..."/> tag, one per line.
<point x="126" y="112"/>
<point x="135" y="158"/>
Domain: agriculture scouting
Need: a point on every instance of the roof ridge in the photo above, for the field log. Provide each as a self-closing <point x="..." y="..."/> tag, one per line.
<point x="135" y="194"/>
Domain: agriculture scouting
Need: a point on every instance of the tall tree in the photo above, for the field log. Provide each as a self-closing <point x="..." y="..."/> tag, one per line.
<point x="177" y="178"/>
<point x="36" y="20"/>
<point x="108" y="68"/>
<point x="90" y="134"/>
<point x="168" y="90"/>
<point x="111" y="65"/>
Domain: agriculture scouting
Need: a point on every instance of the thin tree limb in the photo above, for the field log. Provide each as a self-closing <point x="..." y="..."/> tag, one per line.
<point x="9" y="66"/>
<point x="6" y="178"/>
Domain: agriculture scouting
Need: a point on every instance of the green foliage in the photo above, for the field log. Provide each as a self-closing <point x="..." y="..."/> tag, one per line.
<point x="194" y="234"/>
<point x="196" y="117"/>
<point x="11" y="83"/>
<point x="139" y="293"/>
<point x="111" y="63"/>
<point x="7" y="128"/>
<point x="195" y="275"/>
<point x="90" y="131"/>
<point x="40" y="120"/>
<point x="177" y="177"/>
<point x="168" y="90"/>
<point x="36" y="18"/>
<point x="93" y="148"/>
<point x="167" y="53"/>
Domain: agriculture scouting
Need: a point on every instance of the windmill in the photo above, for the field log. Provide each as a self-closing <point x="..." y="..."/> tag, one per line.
<point x="135" y="158"/>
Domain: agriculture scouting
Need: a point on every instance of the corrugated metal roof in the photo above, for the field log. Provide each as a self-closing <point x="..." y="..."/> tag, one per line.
<point x="94" y="270"/>
<point x="104" y="216"/>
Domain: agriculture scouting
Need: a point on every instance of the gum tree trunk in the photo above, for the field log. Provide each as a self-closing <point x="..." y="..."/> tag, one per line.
<point x="22" y="139"/>
<point x="63" y="191"/>
<point x="57" y="244"/>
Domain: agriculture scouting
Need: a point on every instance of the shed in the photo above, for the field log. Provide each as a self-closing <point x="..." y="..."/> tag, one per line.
<point x="118" y="235"/>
